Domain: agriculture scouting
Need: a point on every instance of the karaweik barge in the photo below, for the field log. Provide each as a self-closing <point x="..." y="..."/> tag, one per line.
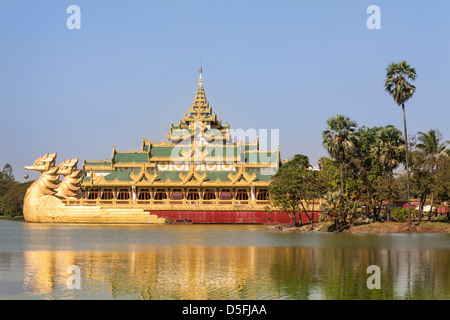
<point x="201" y="175"/>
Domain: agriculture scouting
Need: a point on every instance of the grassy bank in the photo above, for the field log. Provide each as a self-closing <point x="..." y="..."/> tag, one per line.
<point x="8" y="217"/>
<point x="373" y="227"/>
<point x="401" y="227"/>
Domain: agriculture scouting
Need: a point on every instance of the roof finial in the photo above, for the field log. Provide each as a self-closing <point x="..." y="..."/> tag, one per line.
<point x="200" y="84"/>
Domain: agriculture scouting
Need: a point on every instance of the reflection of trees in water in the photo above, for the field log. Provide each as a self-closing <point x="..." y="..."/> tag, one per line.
<point x="198" y="272"/>
<point x="340" y="273"/>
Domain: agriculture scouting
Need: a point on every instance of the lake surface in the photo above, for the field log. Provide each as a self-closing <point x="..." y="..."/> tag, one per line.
<point x="216" y="262"/>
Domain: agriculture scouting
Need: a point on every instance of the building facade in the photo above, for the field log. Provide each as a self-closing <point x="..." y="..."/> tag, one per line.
<point x="202" y="174"/>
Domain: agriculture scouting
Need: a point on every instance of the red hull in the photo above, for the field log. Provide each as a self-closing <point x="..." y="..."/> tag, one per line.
<point x="229" y="217"/>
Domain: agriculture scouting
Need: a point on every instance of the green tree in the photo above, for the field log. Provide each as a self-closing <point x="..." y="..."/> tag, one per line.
<point x="401" y="90"/>
<point x="328" y="175"/>
<point x="341" y="209"/>
<point x="421" y="179"/>
<point x="432" y="147"/>
<point x="12" y="203"/>
<point x="431" y="142"/>
<point x="364" y="172"/>
<point x="7" y="172"/>
<point x="340" y="141"/>
<point x="389" y="149"/>
<point x="290" y="187"/>
<point x="6" y="182"/>
<point x="442" y="179"/>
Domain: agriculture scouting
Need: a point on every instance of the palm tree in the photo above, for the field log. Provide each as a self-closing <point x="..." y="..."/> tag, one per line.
<point x="431" y="145"/>
<point x="401" y="90"/>
<point x="430" y="142"/>
<point x="340" y="140"/>
<point x="389" y="149"/>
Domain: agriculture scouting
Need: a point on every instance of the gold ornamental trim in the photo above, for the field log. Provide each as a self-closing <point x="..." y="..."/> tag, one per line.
<point x="241" y="174"/>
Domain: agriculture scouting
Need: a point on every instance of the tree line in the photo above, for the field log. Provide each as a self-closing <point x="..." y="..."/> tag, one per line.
<point x="362" y="176"/>
<point x="12" y="193"/>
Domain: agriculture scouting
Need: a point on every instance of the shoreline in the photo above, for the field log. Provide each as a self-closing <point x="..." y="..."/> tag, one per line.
<point x="15" y="218"/>
<point x="371" y="227"/>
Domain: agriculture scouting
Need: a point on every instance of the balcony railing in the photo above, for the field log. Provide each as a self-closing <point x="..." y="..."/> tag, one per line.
<point x="182" y="202"/>
<point x="152" y="202"/>
<point x="143" y="202"/>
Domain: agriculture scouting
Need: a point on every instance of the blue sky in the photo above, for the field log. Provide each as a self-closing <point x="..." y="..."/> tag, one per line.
<point x="132" y="69"/>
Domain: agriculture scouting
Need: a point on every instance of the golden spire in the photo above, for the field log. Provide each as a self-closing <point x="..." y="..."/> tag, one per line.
<point x="200" y="98"/>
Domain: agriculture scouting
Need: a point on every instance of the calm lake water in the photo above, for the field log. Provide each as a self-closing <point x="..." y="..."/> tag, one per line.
<point x="216" y="262"/>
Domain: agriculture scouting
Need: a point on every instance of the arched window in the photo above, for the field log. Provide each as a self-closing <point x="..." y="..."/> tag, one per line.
<point x="124" y="194"/>
<point x="107" y="194"/>
<point x="263" y="194"/>
<point x="242" y="195"/>
<point x="93" y="194"/>
<point x="209" y="194"/>
<point x="144" y="194"/>
<point x="160" y="194"/>
<point x="192" y="195"/>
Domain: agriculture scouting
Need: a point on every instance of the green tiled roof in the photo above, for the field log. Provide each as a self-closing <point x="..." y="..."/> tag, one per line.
<point x="262" y="175"/>
<point x="250" y="147"/>
<point x="261" y="157"/>
<point x="120" y="175"/>
<point x="214" y="175"/>
<point x="131" y="157"/>
<point x="222" y="151"/>
<point x="172" y="175"/>
<point x="214" y="132"/>
<point x="161" y="151"/>
<point x="97" y="163"/>
<point x="181" y="132"/>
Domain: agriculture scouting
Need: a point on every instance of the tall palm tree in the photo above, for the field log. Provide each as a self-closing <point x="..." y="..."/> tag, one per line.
<point x="340" y="141"/>
<point x="401" y="90"/>
<point x="389" y="149"/>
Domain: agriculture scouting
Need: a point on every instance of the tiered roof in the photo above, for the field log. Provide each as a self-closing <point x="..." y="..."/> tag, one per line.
<point x="199" y="138"/>
<point x="200" y="121"/>
<point x="176" y="176"/>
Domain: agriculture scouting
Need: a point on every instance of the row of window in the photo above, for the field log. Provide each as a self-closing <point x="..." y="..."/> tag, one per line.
<point x="175" y="194"/>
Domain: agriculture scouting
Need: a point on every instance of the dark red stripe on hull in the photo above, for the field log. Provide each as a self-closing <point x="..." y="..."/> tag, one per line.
<point x="229" y="217"/>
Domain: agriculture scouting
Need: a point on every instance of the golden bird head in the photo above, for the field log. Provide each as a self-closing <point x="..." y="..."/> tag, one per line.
<point x="67" y="167"/>
<point x="43" y="163"/>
